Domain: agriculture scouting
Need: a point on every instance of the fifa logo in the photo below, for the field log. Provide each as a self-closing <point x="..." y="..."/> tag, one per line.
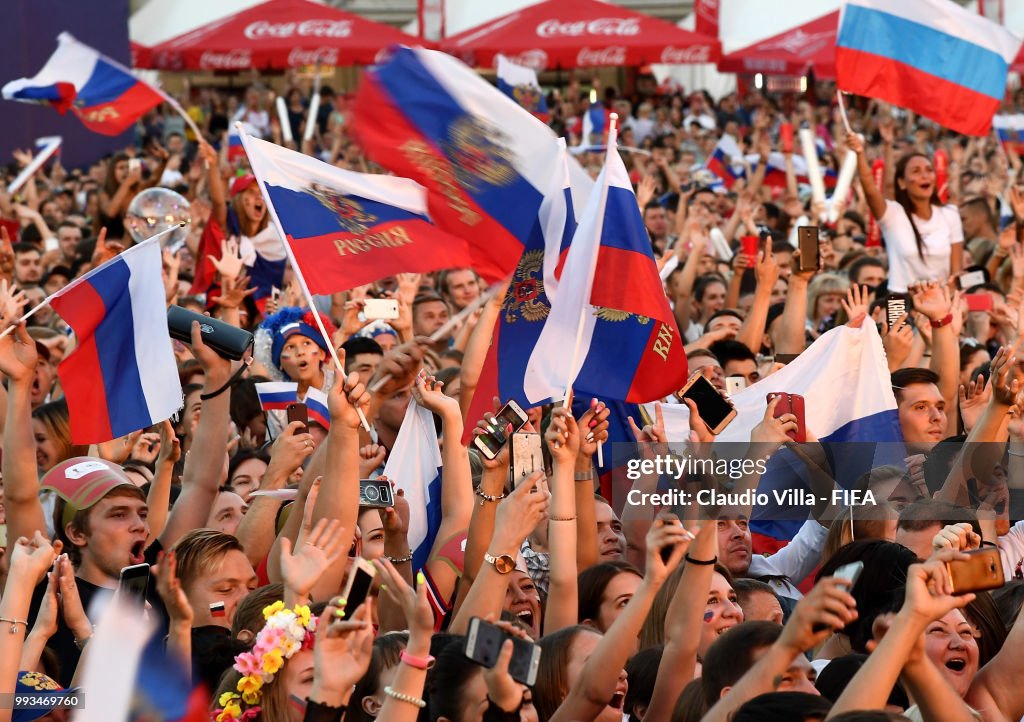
<point x="347" y="211"/>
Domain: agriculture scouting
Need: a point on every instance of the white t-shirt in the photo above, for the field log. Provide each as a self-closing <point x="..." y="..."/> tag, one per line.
<point x="938" y="234"/>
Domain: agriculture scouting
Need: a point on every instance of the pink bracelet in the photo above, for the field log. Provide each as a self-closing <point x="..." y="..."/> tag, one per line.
<point x="417" y="662"/>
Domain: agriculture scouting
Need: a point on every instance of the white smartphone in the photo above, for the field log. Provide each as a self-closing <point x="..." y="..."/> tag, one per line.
<point x="971" y="279"/>
<point x="360" y="581"/>
<point x="51" y="244"/>
<point x="734" y="384"/>
<point x="490" y="443"/>
<point x="384" y="309"/>
<point x="527" y="455"/>
<point x="134" y="164"/>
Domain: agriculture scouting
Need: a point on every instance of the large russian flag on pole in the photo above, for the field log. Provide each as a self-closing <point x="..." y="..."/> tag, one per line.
<point x="122" y="376"/>
<point x="104" y="94"/>
<point x="930" y="56"/>
<point x="487" y="163"/>
<point x="611" y="300"/>
<point x="347" y="229"/>
<point x="415" y="467"/>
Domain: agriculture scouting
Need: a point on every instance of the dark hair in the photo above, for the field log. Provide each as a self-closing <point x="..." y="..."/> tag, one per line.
<point x="642" y="673"/>
<point x="733" y="654"/>
<point x="783" y="707"/>
<point x="449" y="679"/>
<point x="980" y="204"/>
<point x="360" y="344"/>
<point x="853" y="272"/>
<point x="552" y="676"/>
<point x="903" y="198"/>
<point x="983" y="613"/>
<point x="243" y="455"/>
<point x="724" y="312"/>
<point x="924" y="513"/>
<point x="592" y="582"/>
<point x="387" y="651"/>
<point x="25" y="248"/>
<point x="869" y="715"/>
<point x="691" y="705"/>
<point x="746" y="588"/>
<point x="245" y="402"/>
<point x="879" y="587"/>
<point x="728" y="350"/>
<point x="703" y="282"/>
<point x="902" y="378"/>
<point x="836" y="675"/>
<point x="249" y="612"/>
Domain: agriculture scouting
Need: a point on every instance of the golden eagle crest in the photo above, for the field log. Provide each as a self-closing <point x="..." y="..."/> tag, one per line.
<point x="525" y="296"/>
<point x="347" y="211"/>
<point x="479" y="153"/>
<point x="610" y="314"/>
<point x="528" y="96"/>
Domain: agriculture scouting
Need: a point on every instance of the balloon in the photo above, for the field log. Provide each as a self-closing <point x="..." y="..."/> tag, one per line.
<point x="155" y="210"/>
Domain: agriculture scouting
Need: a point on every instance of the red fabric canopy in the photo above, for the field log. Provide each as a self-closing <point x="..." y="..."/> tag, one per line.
<point x="580" y="33"/>
<point x="792" y="52"/>
<point x="275" y="35"/>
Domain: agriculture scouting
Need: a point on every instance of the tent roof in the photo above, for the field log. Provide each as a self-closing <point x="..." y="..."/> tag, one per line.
<point x="580" y="33"/>
<point x="278" y="34"/>
<point x="791" y="52"/>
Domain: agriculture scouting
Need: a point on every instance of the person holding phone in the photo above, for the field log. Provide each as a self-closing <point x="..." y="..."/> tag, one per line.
<point x="923" y="238"/>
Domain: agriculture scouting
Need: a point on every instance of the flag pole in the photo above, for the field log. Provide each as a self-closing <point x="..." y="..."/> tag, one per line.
<point x="613" y="131"/>
<point x="842" y="110"/>
<point x="299" y="277"/>
<point x="46" y="301"/>
<point x="448" y="326"/>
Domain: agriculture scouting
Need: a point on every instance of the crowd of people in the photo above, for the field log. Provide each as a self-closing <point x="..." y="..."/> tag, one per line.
<point x="252" y="522"/>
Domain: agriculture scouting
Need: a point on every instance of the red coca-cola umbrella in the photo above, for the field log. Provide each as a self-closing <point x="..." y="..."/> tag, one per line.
<point x="275" y="35"/>
<point x="580" y="33"/>
<point x="792" y="52"/>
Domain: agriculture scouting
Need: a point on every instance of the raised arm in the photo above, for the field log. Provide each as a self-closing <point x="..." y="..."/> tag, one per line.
<point x="476" y="352"/>
<point x="563" y="440"/>
<point x="767" y="273"/>
<point x="594" y="430"/>
<point x="204" y="465"/>
<point x="218" y="196"/>
<point x="793" y="334"/>
<point x="876" y="201"/>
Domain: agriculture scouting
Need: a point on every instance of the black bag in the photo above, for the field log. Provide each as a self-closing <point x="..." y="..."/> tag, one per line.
<point x="228" y="341"/>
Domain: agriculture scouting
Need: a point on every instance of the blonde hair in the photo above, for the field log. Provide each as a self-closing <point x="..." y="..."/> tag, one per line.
<point x="822" y="284"/>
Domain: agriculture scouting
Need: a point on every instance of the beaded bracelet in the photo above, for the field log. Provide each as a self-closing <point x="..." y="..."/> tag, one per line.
<point x="407" y="698"/>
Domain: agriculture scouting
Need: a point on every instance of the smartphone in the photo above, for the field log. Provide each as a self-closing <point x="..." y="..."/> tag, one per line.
<point x="134" y="582"/>
<point x="809" y="241"/>
<point x="978" y="301"/>
<point x="358" y="585"/>
<point x="716" y="410"/>
<point x="850" y="572"/>
<point x="983" y="571"/>
<point x="666" y="552"/>
<point x="51" y="244"/>
<point x="734" y="384"/>
<point x="134" y="164"/>
<point x="483" y="643"/>
<point x="375" y="493"/>
<point x="275" y="295"/>
<point x="385" y="309"/>
<point x="490" y="443"/>
<point x="748" y="246"/>
<point x="527" y="455"/>
<point x="791" y="404"/>
<point x="970" y="279"/>
<point x="895" y="307"/>
<point x="299" y="412"/>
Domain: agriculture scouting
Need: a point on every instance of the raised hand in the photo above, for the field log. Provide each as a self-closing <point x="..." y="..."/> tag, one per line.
<point x="856" y="305"/>
<point x="519" y="514"/>
<point x="932" y="299"/>
<point x="563" y="436"/>
<point x="234" y="291"/>
<point x="30" y="558"/>
<point x="12" y="303"/>
<point x="342" y="652"/>
<point x="650" y="432"/>
<point x="666" y="532"/>
<point x="229" y="265"/>
<point x="929" y="590"/>
<point x="316" y="549"/>
<point x="594" y="427"/>
<point x="419" y="617"/>
<point x="826" y="609"/>
<point x="371" y="457"/>
<point x="428" y="394"/>
<point x="774" y="430"/>
<point x="18" y="355"/>
<point x="168" y="586"/>
<point x="346" y="397"/>
<point x="973" y="400"/>
<point x="71" y="607"/>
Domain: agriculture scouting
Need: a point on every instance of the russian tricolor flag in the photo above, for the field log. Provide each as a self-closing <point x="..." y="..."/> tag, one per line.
<point x="104" y="95"/>
<point x="487" y="163"/>
<point x="348" y="229"/>
<point x="609" y="293"/>
<point x="930" y="56"/>
<point x="727" y="152"/>
<point x="415" y="467"/>
<point x="278" y="395"/>
<point x="122" y="376"/>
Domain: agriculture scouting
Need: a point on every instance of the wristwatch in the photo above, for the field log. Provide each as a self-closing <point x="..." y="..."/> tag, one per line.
<point x="503" y="563"/>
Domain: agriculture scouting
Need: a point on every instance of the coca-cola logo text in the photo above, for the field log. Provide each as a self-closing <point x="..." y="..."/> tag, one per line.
<point x="231" y="60"/>
<point x="599" y="26"/>
<point x="681" y="56"/>
<point x="305" y="29"/>
<point x="614" y="55"/>
<point x="535" y="59"/>
<point x="312" y="56"/>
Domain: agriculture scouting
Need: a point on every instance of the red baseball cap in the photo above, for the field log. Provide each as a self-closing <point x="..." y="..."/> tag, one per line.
<point x="241" y="183"/>
<point x="84" y="480"/>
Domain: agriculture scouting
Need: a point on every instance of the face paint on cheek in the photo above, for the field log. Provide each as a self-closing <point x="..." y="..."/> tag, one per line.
<point x="297" y="702"/>
<point x="217" y="609"/>
<point x="708" y="616"/>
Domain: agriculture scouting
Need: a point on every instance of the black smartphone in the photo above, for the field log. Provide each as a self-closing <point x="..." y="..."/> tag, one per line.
<point x="527" y="456"/>
<point x="666" y="552"/>
<point x="357" y="588"/>
<point x="714" y="409"/>
<point x="809" y="241"/>
<point x="134" y="582"/>
<point x="490" y="443"/>
<point x="895" y="307"/>
<point x="299" y="412"/>
<point x="483" y="643"/>
<point x="375" y="493"/>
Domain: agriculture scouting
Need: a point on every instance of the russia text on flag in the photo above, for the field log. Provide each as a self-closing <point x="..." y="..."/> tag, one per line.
<point x="415" y="466"/>
<point x="930" y="56"/>
<point x="122" y="376"/>
<point x="487" y="163"/>
<point x="347" y="229"/>
<point x="105" y="96"/>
